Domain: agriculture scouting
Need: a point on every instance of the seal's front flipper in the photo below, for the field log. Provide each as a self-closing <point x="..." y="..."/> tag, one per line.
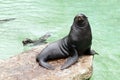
<point x="93" y="52"/>
<point x="46" y="65"/>
<point x="90" y="52"/>
<point x="71" y="60"/>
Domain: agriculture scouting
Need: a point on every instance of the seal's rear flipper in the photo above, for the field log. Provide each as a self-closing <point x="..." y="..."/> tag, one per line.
<point x="46" y="65"/>
<point x="71" y="60"/>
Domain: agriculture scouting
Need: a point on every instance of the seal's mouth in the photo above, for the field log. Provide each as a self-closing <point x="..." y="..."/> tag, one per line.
<point x="80" y="19"/>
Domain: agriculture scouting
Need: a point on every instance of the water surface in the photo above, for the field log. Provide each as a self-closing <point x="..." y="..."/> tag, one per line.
<point x="35" y="18"/>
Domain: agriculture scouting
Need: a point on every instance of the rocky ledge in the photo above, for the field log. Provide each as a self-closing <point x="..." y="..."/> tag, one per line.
<point x="25" y="67"/>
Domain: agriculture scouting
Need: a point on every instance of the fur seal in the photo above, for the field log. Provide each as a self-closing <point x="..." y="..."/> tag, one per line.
<point x="75" y="44"/>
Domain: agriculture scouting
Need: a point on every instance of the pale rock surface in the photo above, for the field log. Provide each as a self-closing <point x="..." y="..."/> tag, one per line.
<point x="25" y="67"/>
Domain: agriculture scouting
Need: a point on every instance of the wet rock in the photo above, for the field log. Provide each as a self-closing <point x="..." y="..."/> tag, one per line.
<point x="40" y="41"/>
<point x="25" y="67"/>
<point x="6" y="20"/>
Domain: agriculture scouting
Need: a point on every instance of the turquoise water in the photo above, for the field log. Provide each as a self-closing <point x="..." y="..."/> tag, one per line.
<point x="35" y="18"/>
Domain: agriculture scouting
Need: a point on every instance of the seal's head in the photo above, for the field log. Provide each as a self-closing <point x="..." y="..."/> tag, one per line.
<point x="80" y="20"/>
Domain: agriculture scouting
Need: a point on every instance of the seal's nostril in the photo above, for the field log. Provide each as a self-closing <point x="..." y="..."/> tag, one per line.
<point x="79" y="18"/>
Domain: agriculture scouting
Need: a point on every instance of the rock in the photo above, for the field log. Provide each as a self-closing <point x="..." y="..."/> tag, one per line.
<point x="1" y="61"/>
<point x="25" y="67"/>
<point x="6" y="20"/>
<point x="40" y="41"/>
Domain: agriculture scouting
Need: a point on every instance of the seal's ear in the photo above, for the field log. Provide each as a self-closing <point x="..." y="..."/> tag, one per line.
<point x="85" y="16"/>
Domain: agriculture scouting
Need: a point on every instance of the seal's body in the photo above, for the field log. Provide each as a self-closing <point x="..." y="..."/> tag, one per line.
<point x="78" y="42"/>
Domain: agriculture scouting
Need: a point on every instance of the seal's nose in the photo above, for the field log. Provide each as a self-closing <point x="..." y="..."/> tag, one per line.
<point x="80" y="18"/>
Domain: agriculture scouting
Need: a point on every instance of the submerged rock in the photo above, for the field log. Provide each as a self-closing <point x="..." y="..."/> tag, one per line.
<point x="41" y="40"/>
<point x="25" y="67"/>
<point x="6" y="20"/>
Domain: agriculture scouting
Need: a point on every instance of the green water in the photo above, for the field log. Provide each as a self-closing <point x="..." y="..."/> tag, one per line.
<point x="35" y="18"/>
